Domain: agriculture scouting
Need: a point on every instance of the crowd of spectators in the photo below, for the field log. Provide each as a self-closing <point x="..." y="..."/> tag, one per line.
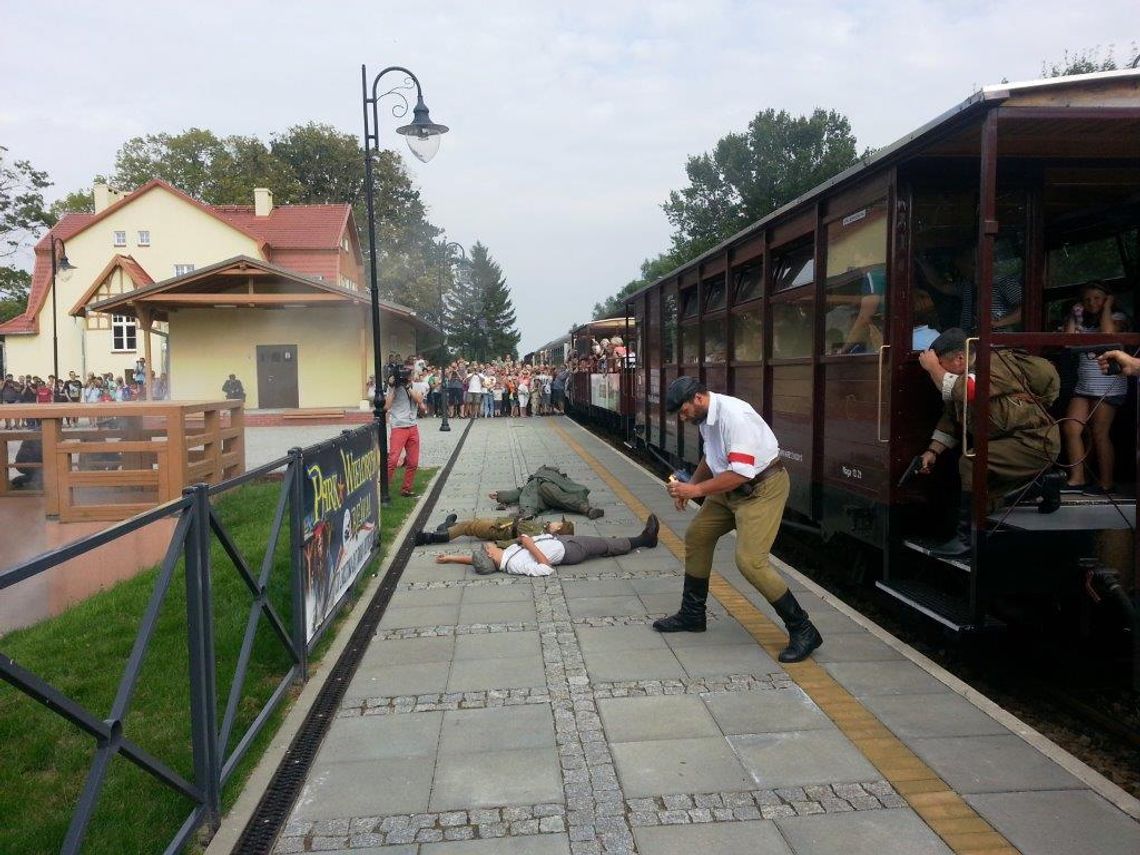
<point x="602" y="357"/>
<point x="499" y="388"/>
<point x="106" y="387"/>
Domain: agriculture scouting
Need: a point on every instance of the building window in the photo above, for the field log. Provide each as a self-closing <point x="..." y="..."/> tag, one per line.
<point x="183" y="269"/>
<point x="144" y="237"/>
<point x="124" y="331"/>
<point x="120" y="238"/>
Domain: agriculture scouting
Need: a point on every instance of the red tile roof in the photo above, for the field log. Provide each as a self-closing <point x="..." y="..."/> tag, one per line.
<point x="315" y="227"/>
<point x="129" y="266"/>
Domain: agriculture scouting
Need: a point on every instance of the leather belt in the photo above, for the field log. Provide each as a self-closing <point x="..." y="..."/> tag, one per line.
<point x="749" y="487"/>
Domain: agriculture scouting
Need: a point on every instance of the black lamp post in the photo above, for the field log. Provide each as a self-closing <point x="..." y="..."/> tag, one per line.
<point x="423" y="140"/>
<point x="444" y="395"/>
<point x="59" y="264"/>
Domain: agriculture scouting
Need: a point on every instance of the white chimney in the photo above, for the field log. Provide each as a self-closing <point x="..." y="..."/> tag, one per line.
<point x="262" y="201"/>
<point x="104" y="196"/>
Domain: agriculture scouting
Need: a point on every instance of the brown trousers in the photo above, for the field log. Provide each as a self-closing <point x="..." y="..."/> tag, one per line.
<point x="756" y="520"/>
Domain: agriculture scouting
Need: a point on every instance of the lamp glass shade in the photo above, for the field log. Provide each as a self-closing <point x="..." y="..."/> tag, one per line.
<point x="423" y="134"/>
<point x="424" y="147"/>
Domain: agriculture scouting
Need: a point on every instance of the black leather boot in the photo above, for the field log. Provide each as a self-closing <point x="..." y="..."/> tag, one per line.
<point x="648" y="537"/>
<point x="447" y="523"/>
<point x="959" y="544"/>
<point x="691" y="617"/>
<point x="803" y="637"/>
<point x="426" y="537"/>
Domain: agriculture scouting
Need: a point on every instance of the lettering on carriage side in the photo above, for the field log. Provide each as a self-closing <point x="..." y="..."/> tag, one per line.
<point x="794" y="456"/>
<point x="854" y="218"/>
<point x="852" y="472"/>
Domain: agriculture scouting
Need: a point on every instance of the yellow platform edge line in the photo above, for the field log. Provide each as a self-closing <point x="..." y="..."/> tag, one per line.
<point x="916" y="782"/>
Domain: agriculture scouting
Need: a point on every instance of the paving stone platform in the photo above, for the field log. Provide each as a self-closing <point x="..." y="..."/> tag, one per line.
<point x="513" y="715"/>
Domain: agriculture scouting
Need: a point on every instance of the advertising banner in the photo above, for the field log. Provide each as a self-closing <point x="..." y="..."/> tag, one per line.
<point x="342" y="522"/>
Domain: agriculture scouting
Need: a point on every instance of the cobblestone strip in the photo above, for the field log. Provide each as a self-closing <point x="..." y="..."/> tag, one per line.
<point x="505" y="579"/>
<point x="371" y="831"/>
<point x="693" y="686"/>
<point x="443" y="701"/>
<point x="629" y="620"/>
<point x="595" y="810"/>
<point x="685" y="808"/>
<point x="461" y="629"/>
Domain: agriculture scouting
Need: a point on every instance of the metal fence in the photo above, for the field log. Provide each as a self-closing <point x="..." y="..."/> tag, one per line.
<point x="197" y="527"/>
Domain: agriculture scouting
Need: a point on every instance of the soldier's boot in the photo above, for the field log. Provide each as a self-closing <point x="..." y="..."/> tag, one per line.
<point x="425" y="537"/>
<point x="691" y="617"/>
<point x="448" y="522"/>
<point x="589" y="511"/>
<point x="803" y="637"/>
<point x="959" y="544"/>
<point x="648" y="537"/>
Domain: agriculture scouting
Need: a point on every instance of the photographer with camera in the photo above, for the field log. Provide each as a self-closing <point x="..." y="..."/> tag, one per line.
<point x="403" y="402"/>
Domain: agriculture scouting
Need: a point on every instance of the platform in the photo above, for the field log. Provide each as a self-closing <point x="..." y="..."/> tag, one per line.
<point x="512" y="715"/>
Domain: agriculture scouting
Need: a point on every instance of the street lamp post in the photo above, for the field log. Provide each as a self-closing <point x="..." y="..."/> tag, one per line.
<point x="59" y="265"/>
<point x="423" y="140"/>
<point x="447" y="248"/>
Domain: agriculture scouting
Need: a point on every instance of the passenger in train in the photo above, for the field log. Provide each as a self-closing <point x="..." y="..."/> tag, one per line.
<point x="1097" y="396"/>
<point x="745" y="487"/>
<point x="1129" y="365"/>
<point x="1024" y="440"/>
<point x="925" y="321"/>
<point x="865" y="333"/>
<point x="539" y="555"/>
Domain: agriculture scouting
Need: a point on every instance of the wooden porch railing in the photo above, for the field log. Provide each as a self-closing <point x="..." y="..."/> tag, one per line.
<point x="111" y="461"/>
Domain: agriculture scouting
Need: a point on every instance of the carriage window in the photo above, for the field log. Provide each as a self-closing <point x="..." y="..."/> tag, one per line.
<point x="944" y="224"/>
<point x="856" y="281"/>
<point x="714" y="294"/>
<point x="747" y="336"/>
<point x="689" y="355"/>
<point x="792" y="326"/>
<point x="794" y="267"/>
<point x="748" y="282"/>
<point x="652" y="346"/>
<point x="669" y="325"/>
<point x="689" y="303"/>
<point x="1079" y="261"/>
<point x="716" y="341"/>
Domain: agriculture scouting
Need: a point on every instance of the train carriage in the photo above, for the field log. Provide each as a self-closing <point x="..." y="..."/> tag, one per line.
<point x="817" y="315"/>
<point x="599" y="388"/>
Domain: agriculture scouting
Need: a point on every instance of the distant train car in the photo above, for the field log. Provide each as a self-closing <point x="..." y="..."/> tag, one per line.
<point x="552" y="353"/>
<point x="599" y="388"/>
<point x="817" y="315"/>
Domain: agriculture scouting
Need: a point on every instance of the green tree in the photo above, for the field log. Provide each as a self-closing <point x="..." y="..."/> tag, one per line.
<point x="79" y="201"/>
<point x="328" y="165"/>
<point x="748" y="175"/>
<point x="481" y="316"/>
<point x="1089" y="61"/>
<point x="652" y="269"/>
<point x="14" y="287"/>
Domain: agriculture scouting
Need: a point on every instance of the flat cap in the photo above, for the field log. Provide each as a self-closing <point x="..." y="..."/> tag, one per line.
<point x="952" y="340"/>
<point x="681" y="391"/>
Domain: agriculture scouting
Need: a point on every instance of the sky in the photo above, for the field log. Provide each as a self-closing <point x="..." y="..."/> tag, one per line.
<point x="570" y="121"/>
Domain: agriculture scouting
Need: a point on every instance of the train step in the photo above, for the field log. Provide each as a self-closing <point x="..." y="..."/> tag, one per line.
<point x="950" y="611"/>
<point x="961" y="563"/>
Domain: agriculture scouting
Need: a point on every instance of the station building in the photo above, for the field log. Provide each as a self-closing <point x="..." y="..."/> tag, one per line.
<point x="273" y="294"/>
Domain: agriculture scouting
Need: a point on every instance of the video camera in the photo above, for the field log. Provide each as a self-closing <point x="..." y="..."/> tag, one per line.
<point x="397" y="374"/>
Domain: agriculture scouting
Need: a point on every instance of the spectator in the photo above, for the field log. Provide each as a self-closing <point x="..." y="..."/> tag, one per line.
<point x="403" y="406"/>
<point x="474" y="393"/>
<point x="9" y="394"/>
<point x="232" y="389"/>
<point x="524" y="393"/>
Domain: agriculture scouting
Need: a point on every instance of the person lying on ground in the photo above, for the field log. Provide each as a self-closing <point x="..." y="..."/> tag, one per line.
<point x="548" y="489"/>
<point x="501" y="530"/>
<point x="539" y="555"/>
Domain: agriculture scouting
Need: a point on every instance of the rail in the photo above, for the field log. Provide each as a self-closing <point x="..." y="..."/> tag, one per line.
<point x="197" y="527"/>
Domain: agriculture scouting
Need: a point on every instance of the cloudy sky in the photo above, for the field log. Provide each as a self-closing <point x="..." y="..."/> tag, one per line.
<point x="570" y="121"/>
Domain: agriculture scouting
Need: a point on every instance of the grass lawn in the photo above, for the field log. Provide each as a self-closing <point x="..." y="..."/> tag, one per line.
<point x="44" y="760"/>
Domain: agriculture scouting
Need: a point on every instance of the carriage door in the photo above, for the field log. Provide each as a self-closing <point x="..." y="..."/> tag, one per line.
<point x="855" y="363"/>
<point x="277" y="376"/>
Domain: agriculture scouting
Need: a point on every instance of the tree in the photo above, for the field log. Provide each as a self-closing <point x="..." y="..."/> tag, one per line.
<point x="748" y="175"/>
<point x="23" y="214"/>
<point x="652" y="269"/>
<point x="1088" y="61"/>
<point x="328" y="165"/>
<point x="79" y="201"/>
<point x="481" y="317"/>
<point x="14" y="287"/>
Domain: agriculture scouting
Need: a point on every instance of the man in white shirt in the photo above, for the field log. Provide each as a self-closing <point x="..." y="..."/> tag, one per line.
<point x="540" y="554"/>
<point x="474" y="393"/>
<point x="745" y="487"/>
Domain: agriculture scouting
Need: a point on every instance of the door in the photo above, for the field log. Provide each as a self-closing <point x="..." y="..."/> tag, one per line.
<point x="277" y="376"/>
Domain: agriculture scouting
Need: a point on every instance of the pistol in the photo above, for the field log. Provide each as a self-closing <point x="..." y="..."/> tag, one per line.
<point x="915" y="466"/>
<point x="1095" y="350"/>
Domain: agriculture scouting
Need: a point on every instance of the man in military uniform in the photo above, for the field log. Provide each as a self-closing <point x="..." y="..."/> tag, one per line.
<point x="1023" y="438"/>
<point x="548" y="489"/>
<point x="745" y="486"/>
<point x="499" y="530"/>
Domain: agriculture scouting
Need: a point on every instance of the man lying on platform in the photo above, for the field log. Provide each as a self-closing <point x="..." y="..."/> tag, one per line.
<point x="501" y="530"/>
<point x="539" y="555"/>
